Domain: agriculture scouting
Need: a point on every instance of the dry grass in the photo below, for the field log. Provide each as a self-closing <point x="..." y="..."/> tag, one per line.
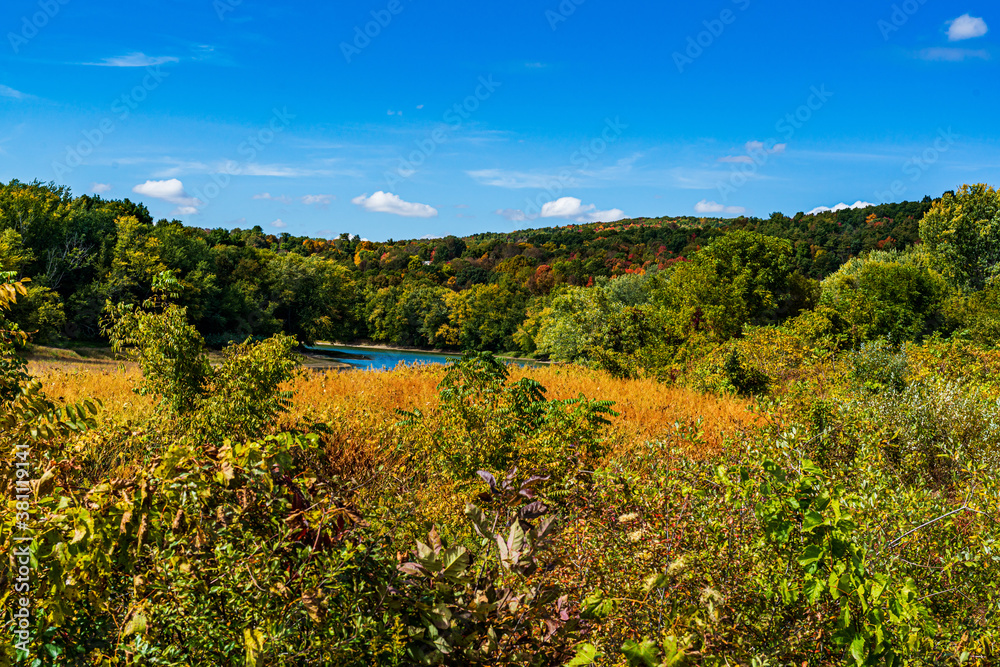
<point x="71" y="382"/>
<point x="359" y="408"/>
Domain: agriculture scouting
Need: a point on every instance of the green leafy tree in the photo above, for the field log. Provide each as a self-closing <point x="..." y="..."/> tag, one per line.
<point x="891" y="295"/>
<point x="741" y="278"/>
<point x="962" y="231"/>
<point x="169" y="351"/>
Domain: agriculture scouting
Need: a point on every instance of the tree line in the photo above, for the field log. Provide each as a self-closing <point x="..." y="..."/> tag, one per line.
<point x="489" y="291"/>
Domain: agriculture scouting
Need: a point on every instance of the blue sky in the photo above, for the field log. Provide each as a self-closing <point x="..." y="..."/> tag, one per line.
<point x="455" y="117"/>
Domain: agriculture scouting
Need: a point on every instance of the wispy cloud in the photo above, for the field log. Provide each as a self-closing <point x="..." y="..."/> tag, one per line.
<point x="966" y="27"/>
<point x="279" y="223"/>
<point x="705" y="207"/>
<point x="135" y="60"/>
<point x="512" y="214"/>
<point x="952" y="55"/>
<point x="687" y="178"/>
<point x="513" y="180"/>
<point x="100" y="188"/>
<point x="317" y="200"/>
<point x="386" y="202"/>
<point x="7" y="91"/>
<point x="754" y="148"/>
<point x="281" y="171"/>
<point x="281" y="199"/>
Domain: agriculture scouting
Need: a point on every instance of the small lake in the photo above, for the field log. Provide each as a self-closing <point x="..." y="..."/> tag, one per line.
<point x="376" y="359"/>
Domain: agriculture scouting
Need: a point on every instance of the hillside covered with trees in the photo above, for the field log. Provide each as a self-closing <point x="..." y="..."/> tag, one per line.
<point x="481" y="292"/>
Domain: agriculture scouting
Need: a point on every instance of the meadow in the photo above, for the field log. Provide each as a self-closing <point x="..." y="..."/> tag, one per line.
<point x="831" y="521"/>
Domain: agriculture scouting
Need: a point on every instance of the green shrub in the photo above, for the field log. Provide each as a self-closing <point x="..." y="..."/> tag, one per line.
<point x="879" y="367"/>
<point x="492" y="424"/>
<point x="746" y="381"/>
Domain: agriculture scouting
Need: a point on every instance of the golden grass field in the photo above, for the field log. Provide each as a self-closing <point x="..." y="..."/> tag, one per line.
<point x="360" y="407"/>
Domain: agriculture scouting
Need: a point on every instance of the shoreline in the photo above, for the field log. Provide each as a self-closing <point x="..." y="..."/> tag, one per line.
<point x="422" y="350"/>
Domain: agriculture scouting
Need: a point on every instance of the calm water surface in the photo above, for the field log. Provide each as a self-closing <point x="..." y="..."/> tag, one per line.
<point x="378" y="360"/>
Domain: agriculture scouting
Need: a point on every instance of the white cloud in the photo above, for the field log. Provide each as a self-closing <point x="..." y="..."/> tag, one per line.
<point x="279" y="223"/>
<point x="100" y="188"/>
<point x="518" y="179"/>
<point x="386" y="202"/>
<point x="7" y="91"/>
<point x="943" y="54"/>
<point x="840" y="207"/>
<point x="420" y="106"/>
<point x="281" y="199"/>
<point x="171" y="191"/>
<point x="136" y="60"/>
<point x="753" y="147"/>
<point x="276" y="170"/>
<point x="512" y="214"/>
<point x="317" y="200"/>
<point x="705" y="207"/>
<point x="571" y="208"/>
<point x="966" y="27"/>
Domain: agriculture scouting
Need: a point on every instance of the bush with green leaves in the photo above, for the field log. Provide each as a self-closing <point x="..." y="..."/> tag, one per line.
<point x="745" y="380"/>
<point x="962" y="233"/>
<point x="490" y="423"/>
<point x="238" y="399"/>
<point x="936" y="431"/>
<point x="169" y="351"/>
<point x="245" y="392"/>
<point x="890" y="294"/>
<point x="494" y="612"/>
<point x="879" y="366"/>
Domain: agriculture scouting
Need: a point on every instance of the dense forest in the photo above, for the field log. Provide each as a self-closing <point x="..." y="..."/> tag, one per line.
<point x="484" y="292"/>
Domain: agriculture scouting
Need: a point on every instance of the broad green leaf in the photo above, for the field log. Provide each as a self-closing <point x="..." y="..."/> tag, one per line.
<point x="811" y="554"/>
<point x="858" y="649"/>
<point x="135" y="626"/>
<point x="585" y="655"/>
<point x="517" y="540"/>
<point x="813" y="589"/>
<point x="454" y="562"/>
<point x="596" y="605"/>
<point x="811" y="521"/>
<point x="646" y="654"/>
